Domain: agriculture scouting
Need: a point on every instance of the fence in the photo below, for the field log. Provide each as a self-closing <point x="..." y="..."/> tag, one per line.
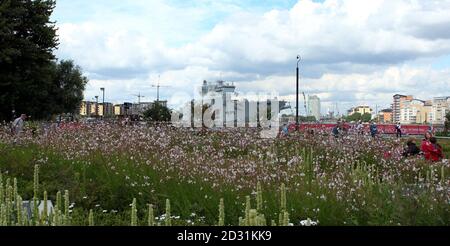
<point x="382" y="129"/>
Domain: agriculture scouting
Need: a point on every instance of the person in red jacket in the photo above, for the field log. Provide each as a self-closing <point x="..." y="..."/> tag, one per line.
<point x="439" y="152"/>
<point x="426" y="145"/>
<point x="431" y="150"/>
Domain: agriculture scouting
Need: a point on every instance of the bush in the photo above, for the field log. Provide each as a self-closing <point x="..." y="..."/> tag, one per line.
<point x="158" y="113"/>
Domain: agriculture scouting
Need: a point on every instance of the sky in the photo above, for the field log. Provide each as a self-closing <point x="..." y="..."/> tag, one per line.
<point x="353" y="52"/>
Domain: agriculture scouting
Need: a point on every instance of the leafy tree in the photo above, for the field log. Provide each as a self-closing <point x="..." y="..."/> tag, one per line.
<point x="68" y="86"/>
<point x="358" y="116"/>
<point x="354" y="117"/>
<point x="366" y="117"/>
<point x="31" y="81"/>
<point x="158" y="113"/>
<point x="26" y="57"/>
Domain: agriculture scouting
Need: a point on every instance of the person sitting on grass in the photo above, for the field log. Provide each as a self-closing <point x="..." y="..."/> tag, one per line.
<point x="411" y="148"/>
<point x="438" y="153"/>
<point x="431" y="149"/>
<point x="426" y="142"/>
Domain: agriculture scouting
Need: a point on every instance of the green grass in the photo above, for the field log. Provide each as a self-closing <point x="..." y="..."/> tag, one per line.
<point x="108" y="181"/>
<point x="445" y="143"/>
<point x="93" y="184"/>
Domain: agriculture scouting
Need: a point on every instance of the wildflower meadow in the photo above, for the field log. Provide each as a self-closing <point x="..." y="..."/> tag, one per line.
<point x="110" y="175"/>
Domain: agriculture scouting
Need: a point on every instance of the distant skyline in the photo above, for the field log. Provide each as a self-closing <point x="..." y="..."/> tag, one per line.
<point x="354" y="52"/>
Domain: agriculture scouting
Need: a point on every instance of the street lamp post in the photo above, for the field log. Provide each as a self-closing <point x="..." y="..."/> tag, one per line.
<point x="103" y="91"/>
<point x="297" y="122"/>
<point x="96" y="106"/>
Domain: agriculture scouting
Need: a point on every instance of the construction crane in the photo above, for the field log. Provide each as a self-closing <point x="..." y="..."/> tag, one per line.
<point x="158" y="86"/>
<point x="139" y="96"/>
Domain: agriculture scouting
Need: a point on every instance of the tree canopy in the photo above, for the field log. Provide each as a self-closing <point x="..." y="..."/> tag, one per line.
<point x="158" y="113"/>
<point x="359" y="117"/>
<point x="31" y="80"/>
<point x="69" y="84"/>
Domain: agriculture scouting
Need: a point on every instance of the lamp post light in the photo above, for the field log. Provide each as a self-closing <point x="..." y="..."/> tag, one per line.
<point x="103" y="99"/>
<point x="297" y="122"/>
<point x="96" y="106"/>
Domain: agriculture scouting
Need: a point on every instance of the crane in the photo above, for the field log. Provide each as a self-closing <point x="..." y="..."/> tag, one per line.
<point x="139" y="96"/>
<point x="158" y="86"/>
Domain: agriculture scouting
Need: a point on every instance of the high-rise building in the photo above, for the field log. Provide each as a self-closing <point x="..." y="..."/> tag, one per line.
<point x="440" y="108"/>
<point x="396" y="106"/>
<point x="235" y="111"/>
<point x="314" y="107"/>
<point x="385" y="116"/>
<point x="414" y="111"/>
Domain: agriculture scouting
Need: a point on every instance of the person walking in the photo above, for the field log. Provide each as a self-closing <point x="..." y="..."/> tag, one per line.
<point x="398" y="130"/>
<point x="360" y="128"/>
<point x="336" y="130"/>
<point x="18" y="124"/>
<point x="285" y="130"/>
<point x="431" y="128"/>
<point x="373" y="129"/>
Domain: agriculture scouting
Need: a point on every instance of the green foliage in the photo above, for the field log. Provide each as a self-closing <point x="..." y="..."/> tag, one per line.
<point x="91" y="217"/>
<point x="221" y="213"/>
<point x="134" y="213"/>
<point x="19" y="209"/>
<point x="354" y="117"/>
<point x="259" y="197"/>
<point x="150" y="216"/>
<point x="31" y="81"/>
<point x="66" y="208"/>
<point x="168" y="218"/>
<point x="367" y="117"/>
<point x="158" y="113"/>
<point x="45" y="211"/>
<point x="283" y="206"/>
<point x="378" y="203"/>
<point x="68" y="87"/>
<point x="248" y="207"/>
<point x="58" y="200"/>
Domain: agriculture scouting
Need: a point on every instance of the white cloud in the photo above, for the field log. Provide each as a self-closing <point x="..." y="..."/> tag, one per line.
<point x="354" y="51"/>
<point x="372" y="89"/>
